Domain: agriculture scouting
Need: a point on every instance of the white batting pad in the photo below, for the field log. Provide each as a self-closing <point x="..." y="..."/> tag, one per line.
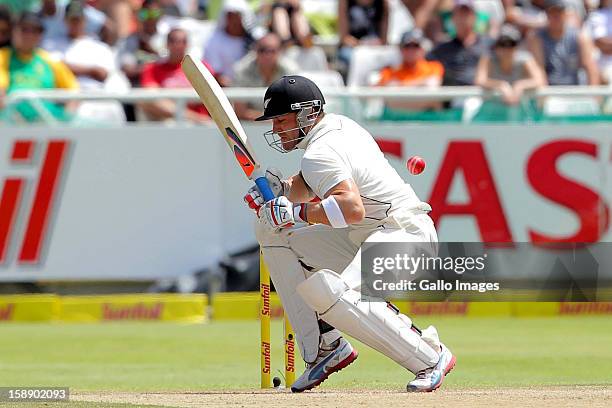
<point x="286" y="274"/>
<point x="372" y="323"/>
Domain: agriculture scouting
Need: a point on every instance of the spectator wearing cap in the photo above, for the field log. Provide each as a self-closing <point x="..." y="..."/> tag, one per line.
<point x="361" y="22"/>
<point x="414" y="71"/>
<point x="25" y="66"/>
<point x="600" y="28"/>
<point x="5" y="27"/>
<point x="89" y="59"/>
<point x="561" y="50"/>
<point x="230" y="40"/>
<point x="167" y="73"/>
<point x="259" y="69"/>
<point x="509" y="70"/>
<point x="52" y="13"/>
<point x="460" y="55"/>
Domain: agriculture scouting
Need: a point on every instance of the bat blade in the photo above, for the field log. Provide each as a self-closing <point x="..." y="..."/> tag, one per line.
<point x="222" y="113"/>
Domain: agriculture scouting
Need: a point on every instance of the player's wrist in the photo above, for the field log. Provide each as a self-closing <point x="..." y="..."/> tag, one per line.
<point x="300" y="212"/>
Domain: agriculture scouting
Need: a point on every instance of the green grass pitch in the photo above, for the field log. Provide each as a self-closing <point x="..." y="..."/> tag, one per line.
<point x="491" y="352"/>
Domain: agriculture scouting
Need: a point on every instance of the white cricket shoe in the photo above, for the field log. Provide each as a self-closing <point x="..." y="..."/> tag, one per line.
<point x="328" y="362"/>
<point x="431" y="378"/>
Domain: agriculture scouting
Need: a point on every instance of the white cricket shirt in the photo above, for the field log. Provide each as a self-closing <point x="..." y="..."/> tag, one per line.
<point x="337" y="149"/>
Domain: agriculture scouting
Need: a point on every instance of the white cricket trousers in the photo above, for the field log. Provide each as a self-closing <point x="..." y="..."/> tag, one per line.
<point x="292" y="255"/>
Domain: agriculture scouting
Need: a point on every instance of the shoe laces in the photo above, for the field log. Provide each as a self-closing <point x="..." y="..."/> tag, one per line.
<point x="421" y="375"/>
<point x="324" y="352"/>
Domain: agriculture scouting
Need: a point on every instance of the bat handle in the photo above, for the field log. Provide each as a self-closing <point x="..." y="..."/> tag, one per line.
<point x="264" y="188"/>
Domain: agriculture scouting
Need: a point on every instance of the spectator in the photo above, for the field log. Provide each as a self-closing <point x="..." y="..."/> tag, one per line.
<point x="230" y="40"/>
<point x="289" y="22"/>
<point x="139" y="49"/>
<point x="484" y="24"/>
<point x="525" y="14"/>
<point x="361" y="22"/>
<point x="414" y="71"/>
<point x="90" y="60"/>
<point x="460" y="55"/>
<point x="26" y="66"/>
<point x="52" y="13"/>
<point x="167" y="73"/>
<point x="110" y="36"/>
<point x="509" y="70"/>
<point x="5" y="27"/>
<point x="561" y="50"/>
<point x="600" y="26"/>
<point x="259" y="69"/>
<point x="530" y="14"/>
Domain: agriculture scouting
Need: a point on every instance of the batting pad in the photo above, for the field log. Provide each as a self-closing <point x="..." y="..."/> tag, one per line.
<point x="370" y="322"/>
<point x="286" y="274"/>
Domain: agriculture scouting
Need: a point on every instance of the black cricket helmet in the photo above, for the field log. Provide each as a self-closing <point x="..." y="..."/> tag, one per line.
<point x="292" y="93"/>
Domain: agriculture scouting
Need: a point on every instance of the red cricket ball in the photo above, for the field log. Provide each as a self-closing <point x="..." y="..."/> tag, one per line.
<point x="415" y="165"/>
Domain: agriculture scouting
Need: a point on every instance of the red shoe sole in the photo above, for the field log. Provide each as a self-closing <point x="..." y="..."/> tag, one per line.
<point x="448" y="369"/>
<point x="347" y="361"/>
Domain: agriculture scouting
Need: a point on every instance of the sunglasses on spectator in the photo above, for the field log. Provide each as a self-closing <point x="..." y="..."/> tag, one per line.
<point x="149" y="14"/>
<point x="411" y="45"/>
<point x="266" y="50"/>
<point x="506" y="44"/>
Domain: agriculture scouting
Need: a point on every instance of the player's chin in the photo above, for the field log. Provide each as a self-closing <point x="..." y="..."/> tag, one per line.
<point x="288" y="145"/>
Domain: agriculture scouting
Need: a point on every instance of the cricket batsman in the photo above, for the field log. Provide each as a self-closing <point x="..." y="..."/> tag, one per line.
<point x="312" y="249"/>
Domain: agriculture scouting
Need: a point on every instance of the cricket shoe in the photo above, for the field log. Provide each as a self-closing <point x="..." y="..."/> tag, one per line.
<point x="431" y="378"/>
<point x="328" y="362"/>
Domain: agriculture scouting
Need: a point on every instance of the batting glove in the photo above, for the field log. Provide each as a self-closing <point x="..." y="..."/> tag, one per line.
<point x="253" y="199"/>
<point x="279" y="187"/>
<point x="282" y="213"/>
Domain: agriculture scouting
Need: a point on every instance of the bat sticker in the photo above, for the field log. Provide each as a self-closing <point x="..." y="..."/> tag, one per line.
<point x="242" y="154"/>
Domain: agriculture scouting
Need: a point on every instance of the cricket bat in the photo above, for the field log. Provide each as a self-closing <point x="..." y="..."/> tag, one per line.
<point x="223" y="114"/>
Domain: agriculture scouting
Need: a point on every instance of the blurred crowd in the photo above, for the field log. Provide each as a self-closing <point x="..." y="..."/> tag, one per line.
<point x="507" y="46"/>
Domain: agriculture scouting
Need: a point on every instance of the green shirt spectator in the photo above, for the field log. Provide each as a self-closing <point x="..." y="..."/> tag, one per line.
<point x="481" y="25"/>
<point x="26" y="67"/>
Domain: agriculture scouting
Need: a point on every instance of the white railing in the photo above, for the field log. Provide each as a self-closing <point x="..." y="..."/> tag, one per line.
<point x="184" y="96"/>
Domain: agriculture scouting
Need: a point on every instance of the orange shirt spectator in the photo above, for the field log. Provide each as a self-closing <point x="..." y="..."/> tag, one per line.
<point x="414" y="70"/>
<point x="422" y="71"/>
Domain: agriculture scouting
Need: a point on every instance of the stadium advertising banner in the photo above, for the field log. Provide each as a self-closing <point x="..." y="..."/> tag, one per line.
<point x="142" y="203"/>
